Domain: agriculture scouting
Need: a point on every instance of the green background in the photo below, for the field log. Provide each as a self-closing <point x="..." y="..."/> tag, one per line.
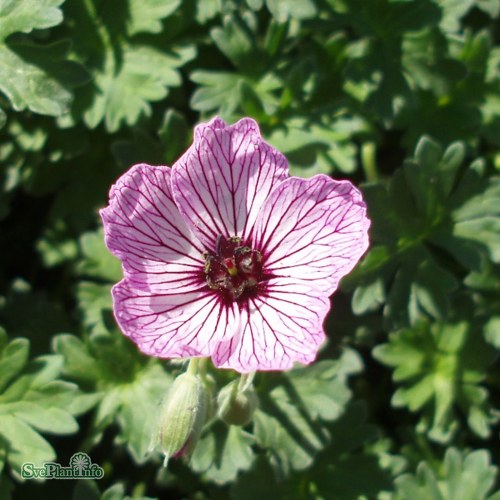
<point x="400" y="96"/>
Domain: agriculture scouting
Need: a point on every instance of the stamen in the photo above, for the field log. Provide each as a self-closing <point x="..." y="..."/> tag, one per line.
<point x="233" y="269"/>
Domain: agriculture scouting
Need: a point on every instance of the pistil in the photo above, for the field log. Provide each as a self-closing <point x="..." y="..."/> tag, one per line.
<point x="231" y="267"/>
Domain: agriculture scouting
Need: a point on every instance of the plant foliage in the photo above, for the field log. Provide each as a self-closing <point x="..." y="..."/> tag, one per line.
<point x="400" y="96"/>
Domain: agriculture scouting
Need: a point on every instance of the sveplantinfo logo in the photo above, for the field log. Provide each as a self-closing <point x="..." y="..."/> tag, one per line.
<point x="80" y="467"/>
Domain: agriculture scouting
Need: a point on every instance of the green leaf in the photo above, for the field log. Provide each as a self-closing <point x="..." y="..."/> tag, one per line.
<point x="250" y="101"/>
<point x="453" y="11"/>
<point x="174" y="134"/>
<point x="222" y="453"/>
<point x="96" y="306"/>
<point x="368" y="297"/>
<point x="484" y="230"/>
<point x="341" y="470"/>
<point x="492" y="331"/>
<point x="237" y="42"/>
<point x="55" y="246"/>
<point x="127" y="387"/>
<point x="290" y="437"/>
<point x="145" y="75"/>
<point x="476" y="212"/>
<point x="255" y="4"/>
<point x="25" y="444"/>
<point x="282" y="10"/>
<point x="315" y="148"/>
<point x="98" y="262"/>
<point x="457" y="213"/>
<point x="146" y="15"/>
<point x="428" y="64"/>
<point x="219" y="91"/>
<point x="86" y="490"/>
<point x="37" y="77"/>
<point x="375" y="56"/>
<point x="140" y="148"/>
<point x="139" y="409"/>
<point x="261" y="482"/>
<point x="435" y="170"/>
<point x="486" y="278"/>
<point x="42" y="419"/>
<point x="78" y="363"/>
<point x="13" y="358"/>
<point x="344" y="469"/>
<point x="27" y="15"/>
<point x="489" y="7"/>
<point x="290" y="423"/>
<point x="206" y="10"/>
<point x="115" y="492"/>
<point x="440" y="368"/>
<point x="452" y="75"/>
<point x="420" y="288"/>
<point x="322" y="387"/>
<point x="469" y="476"/>
<point x="35" y="401"/>
<point x="33" y="76"/>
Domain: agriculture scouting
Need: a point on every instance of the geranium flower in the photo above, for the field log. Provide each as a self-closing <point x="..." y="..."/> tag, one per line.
<point x="226" y="255"/>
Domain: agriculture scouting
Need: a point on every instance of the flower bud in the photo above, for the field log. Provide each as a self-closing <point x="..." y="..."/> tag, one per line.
<point x="236" y="406"/>
<point x="183" y="415"/>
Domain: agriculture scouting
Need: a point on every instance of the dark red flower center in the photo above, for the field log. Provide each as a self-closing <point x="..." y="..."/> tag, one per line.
<point x="233" y="269"/>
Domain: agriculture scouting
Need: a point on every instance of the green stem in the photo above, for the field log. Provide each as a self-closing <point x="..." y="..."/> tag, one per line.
<point x="368" y="160"/>
<point x="202" y="367"/>
<point x="246" y="380"/>
<point x="104" y="35"/>
<point x="195" y="366"/>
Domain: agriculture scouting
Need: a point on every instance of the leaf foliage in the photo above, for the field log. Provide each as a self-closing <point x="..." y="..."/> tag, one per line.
<point x="400" y="96"/>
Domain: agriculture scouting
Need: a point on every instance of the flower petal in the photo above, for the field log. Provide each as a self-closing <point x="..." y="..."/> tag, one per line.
<point x="312" y="229"/>
<point x="221" y="181"/>
<point x="278" y="327"/>
<point x="172" y="325"/>
<point x="144" y="228"/>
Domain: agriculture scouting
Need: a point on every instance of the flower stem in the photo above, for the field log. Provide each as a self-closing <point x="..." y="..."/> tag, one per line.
<point x="196" y="366"/>
<point x="246" y="380"/>
<point x="369" y="162"/>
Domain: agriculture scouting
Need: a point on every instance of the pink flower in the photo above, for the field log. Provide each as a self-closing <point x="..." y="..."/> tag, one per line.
<point x="226" y="255"/>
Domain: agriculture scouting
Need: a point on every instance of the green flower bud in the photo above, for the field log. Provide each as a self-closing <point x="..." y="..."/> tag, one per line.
<point x="236" y="406"/>
<point x="183" y="415"/>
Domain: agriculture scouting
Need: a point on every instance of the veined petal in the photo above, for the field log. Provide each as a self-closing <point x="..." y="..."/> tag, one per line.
<point x="312" y="229"/>
<point x="144" y="228"/>
<point x="222" y="180"/>
<point x="173" y="325"/>
<point x="278" y="327"/>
